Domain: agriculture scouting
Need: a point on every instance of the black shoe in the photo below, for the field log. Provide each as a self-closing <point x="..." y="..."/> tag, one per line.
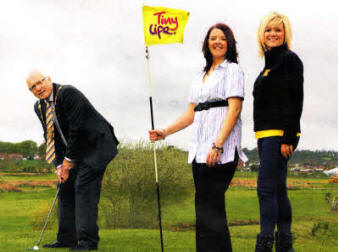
<point x="264" y="243"/>
<point x="58" y="244"/>
<point x="83" y="247"/>
<point x="283" y="242"/>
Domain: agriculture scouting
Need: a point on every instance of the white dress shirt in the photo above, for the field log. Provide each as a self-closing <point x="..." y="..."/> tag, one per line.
<point x="227" y="80"/>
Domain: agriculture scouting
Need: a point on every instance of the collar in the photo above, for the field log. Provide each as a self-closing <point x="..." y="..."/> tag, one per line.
<point x="273" y="54"/>
<point x="224" y="64"/>
<point x="51" y="97"/>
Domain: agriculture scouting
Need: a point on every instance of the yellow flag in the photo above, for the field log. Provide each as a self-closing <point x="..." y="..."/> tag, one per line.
<point x="163" y="25"/>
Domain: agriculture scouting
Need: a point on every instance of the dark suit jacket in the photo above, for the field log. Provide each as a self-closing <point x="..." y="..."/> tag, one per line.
<point x="91" y="139"/>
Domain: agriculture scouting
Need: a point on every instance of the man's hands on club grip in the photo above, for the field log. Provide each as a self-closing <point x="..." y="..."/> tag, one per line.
<point x="62" y="171"/>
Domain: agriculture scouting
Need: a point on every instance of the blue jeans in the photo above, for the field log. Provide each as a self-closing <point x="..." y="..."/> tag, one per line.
<point x="275" y="207"/>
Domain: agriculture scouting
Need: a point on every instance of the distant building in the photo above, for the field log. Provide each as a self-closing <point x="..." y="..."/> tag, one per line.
<point x="305" y="170"/>
<point x="331" y="172"/>
<point x="14" y="156"/>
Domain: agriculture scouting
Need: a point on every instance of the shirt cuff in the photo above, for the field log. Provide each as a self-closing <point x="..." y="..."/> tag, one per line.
<point x="68" y="159"/>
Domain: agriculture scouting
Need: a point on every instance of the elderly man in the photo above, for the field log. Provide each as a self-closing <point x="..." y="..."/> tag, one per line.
<point x="80" y="142"/>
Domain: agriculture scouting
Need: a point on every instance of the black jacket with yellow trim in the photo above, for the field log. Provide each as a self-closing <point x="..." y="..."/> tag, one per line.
<point x="278" y="93"/>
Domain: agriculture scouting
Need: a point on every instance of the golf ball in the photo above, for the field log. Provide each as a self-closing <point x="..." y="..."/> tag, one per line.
<point x="35" y="248"/>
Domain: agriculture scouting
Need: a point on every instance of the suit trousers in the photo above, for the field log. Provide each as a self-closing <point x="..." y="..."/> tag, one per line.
<point x="274" y="203"/>
<point x="212" y="233"/>
<point x="78" y="206"/>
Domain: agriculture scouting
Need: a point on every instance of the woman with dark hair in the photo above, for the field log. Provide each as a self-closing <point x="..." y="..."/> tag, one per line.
<point x="215" y="104"/>
<point x="278" y="103"/>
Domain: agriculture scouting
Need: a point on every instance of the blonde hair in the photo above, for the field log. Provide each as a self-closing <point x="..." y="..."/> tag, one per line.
<point x="273" y="18"/>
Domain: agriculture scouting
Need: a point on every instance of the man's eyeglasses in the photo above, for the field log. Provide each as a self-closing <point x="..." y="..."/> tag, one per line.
<point x="37" y="84"/>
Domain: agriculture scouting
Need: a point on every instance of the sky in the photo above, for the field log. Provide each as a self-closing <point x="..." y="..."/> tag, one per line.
<point x="98" y="46"/>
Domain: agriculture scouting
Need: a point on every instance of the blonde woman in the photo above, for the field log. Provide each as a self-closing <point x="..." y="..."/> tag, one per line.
<point x="278" y="103"/>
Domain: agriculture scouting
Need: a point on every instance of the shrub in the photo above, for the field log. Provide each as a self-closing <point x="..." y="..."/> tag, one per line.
<point x="34" y="166"/>
<point x="129" y="198"/>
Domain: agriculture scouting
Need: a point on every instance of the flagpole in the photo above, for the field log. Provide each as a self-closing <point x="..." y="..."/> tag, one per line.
<point x="154" y="149"/>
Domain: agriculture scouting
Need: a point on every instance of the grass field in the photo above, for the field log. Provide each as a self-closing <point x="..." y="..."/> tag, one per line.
<point x="315" y="226"/>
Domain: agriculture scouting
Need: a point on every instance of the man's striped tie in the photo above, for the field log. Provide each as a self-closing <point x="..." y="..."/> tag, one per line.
<point x="50" y="150"/>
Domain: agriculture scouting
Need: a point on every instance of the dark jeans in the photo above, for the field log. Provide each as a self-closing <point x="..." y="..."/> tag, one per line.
<point x="78" y="206"/>
<point x="212" y="233"/>
<point x="275" y="208"/>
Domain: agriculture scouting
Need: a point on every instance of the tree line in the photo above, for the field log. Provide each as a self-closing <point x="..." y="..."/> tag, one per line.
<point x="29" y="149"/>
<point x="302" y="156"/>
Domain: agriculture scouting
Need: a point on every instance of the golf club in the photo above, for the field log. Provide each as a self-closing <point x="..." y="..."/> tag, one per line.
<point x="56" y="122"/>
<point x="36" y="247"/>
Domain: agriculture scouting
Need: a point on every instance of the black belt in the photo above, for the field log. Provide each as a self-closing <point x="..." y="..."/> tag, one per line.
<point x="207" y="105"/>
